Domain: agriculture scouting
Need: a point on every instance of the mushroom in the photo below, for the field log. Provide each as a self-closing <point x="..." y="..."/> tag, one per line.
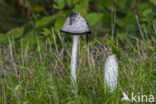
<point x="111" y="72"/>
<point x="75" y="25"/>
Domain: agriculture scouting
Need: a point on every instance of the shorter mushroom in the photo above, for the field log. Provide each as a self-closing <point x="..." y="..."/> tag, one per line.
<point x="75" y="25"/>
<point x="111" y="72"/>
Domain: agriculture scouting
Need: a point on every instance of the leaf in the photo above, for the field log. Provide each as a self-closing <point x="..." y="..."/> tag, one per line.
<point x="80" y="9"/>
<point x="98" y="26"/>
<point x="29" y="36"/>
<point x="120" y="22"/>
<point x="46" y="32"/>
<point x="142" y="7"/>
<point x="44" y="21"/>
<point x="28" y="27"/>
<point x="120" y="3"/>
<point x="3" y="38"/>
<point x="69" y="2"/>
<point x="127" y="21"/>
<point x="60" y="4"/>
<point x="75" y="1"/>
<point x="84" y="2"/>
<point x="16" y="32"/>
<point x="59" y="24"/>
<point x="153" y="1"/>
<point x="148" y="13"/>
<point x="93" y="18"/>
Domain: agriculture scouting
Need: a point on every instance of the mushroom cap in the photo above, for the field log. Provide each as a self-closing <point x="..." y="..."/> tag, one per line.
<point x="76" y="25"/>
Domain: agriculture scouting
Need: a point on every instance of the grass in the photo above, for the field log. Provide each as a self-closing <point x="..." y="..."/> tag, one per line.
<point x="41" y="75"/>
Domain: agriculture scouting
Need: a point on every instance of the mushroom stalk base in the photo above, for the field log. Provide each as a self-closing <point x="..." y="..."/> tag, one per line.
<point x="74" y="58"/>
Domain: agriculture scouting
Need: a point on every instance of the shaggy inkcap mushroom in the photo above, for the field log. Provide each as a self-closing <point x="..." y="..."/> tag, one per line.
<point x="76" y="25"/>
<point x="111" y="72"/>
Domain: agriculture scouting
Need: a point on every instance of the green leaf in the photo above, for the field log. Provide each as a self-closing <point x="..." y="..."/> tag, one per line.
<point x="29" y="36"/>
<point x="44" y="21"/>
<point x="59" y="24"/>
<point x="98" y="25"/>
<point x="142" y="7"/>
<point x="127" y="21"/>
<point x="153" y="1"/>
<point x="148" y="13"/>
<point x="16" y="32"/>
<point x="60" y="4"/>
<point x="69" y="2"/>
<point x="93" y="18"/>
<point x="81" y="9"/>
<point x="46" y="32"/>
<point x="84" y="2"/>
<point x="120" y="3"/>
<point x="75" y="1"/>
<point x="3" y="38"/>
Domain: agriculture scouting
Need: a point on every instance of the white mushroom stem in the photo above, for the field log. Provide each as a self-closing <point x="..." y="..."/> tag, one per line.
<point x="74" y="58"/>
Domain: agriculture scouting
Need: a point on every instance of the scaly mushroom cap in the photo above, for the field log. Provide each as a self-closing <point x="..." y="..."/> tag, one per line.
<point x="76" y="25"/>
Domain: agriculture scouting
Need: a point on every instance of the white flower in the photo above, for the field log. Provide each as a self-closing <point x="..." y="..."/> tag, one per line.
<point x="111" y="72"/>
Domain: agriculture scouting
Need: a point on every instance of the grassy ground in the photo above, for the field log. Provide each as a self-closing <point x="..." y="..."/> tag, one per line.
<point x="41" y="75"/>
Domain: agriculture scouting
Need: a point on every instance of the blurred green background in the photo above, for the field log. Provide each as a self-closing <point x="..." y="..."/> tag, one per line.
<point x="26" y="18"/>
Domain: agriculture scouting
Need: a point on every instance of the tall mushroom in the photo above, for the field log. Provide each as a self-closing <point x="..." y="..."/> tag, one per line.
<point x="75" y="25"/>
<point x="111" y="72"/>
